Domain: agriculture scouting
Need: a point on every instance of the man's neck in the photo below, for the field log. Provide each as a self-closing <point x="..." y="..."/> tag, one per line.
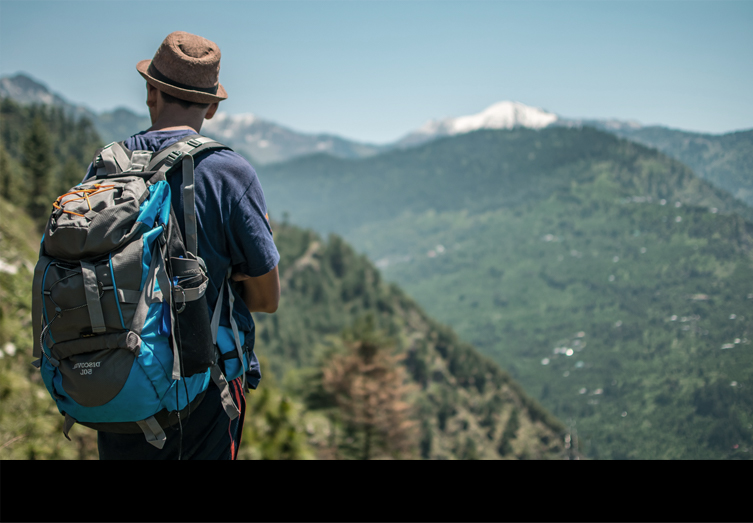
<point x="156" y="127"/>
<point x="170" y="120"/>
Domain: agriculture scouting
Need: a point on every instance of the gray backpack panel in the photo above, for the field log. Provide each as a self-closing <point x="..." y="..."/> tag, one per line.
<point x="98" y="222"/>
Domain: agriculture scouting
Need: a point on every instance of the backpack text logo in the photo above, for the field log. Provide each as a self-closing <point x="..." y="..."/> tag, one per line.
<point x="86" y="367"/>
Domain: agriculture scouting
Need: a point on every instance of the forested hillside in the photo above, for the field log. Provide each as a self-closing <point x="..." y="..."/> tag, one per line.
<point x="724" y="160"/>
<point x="445" y="401"/>
<point x="42" y="150"/>
<point x="352" y="367"/>
<point x="607" y="278"/>
<point x="467" y="406"/>
<point x="477" y="172"/>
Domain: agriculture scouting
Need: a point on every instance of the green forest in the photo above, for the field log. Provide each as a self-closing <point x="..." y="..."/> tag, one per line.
<point x="724" y="160"/>
<point x="608" y="279"/>
<point x="352" y="367"/>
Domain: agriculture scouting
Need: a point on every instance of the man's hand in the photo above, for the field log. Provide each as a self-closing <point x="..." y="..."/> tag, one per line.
<point x="260" y="294"/>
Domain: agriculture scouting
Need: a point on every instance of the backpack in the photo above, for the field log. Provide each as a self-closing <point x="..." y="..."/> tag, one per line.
<point x="122" y="327"/>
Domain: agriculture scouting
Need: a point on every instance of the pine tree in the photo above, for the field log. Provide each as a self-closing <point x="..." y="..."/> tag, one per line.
<point x="6" y="177"/>
<point x="369" y="385"/>
<point x="38" y="164"/>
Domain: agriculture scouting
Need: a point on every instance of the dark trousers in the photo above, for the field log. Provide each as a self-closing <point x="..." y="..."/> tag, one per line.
<point x="207" y="434"/>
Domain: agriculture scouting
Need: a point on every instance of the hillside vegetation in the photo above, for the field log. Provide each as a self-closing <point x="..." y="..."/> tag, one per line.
<point x="42" y="150"/>
<point x="611" y="282"/>
<point x="477" y="172"/>
<point x="467" y="406"/>
<point x="455" y="403"/>
<point x="724" y="160"/>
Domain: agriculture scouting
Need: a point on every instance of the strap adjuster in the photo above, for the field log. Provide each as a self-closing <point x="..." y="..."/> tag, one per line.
<point x="173" y="157"/>
<point x="163" y="235"/>
<point x="194" y="142"/>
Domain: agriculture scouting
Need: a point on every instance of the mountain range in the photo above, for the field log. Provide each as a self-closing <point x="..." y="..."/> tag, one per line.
<point x="261" y="141"/>
<point x="266" y="142"/>
<point x="724" y="160"/>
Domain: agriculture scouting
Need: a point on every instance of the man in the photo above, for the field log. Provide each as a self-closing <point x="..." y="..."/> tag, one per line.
<point x="183" y="90"/>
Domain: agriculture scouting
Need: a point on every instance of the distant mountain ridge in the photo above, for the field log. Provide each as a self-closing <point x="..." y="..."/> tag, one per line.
<point x="25" y="90"/>
<point x="724" y="160"/>
<point x="111" y="125"/>
<point x="267" y="142"/>
<point x="260" y="140"/>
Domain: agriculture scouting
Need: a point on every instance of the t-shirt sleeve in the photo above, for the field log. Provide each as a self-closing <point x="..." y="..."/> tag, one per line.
<point x="253" y="251"/>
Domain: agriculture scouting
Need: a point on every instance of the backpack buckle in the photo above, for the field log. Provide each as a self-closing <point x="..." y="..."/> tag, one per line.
<point x="183" y="302"/>
<point x="194" y="142"/>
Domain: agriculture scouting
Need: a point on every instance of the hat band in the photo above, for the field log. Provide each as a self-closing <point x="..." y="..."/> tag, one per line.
<point x="153" y="72"/>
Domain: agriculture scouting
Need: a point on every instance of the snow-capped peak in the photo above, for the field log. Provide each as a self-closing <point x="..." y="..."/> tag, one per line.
<point x="501" y="115"/>
<point x="227" y="125"/>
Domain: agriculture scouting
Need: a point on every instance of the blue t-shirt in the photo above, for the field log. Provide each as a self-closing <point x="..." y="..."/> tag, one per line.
<point x="233" y="230"/>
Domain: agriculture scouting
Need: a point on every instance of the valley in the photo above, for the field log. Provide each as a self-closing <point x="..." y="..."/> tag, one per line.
<point x="607" y="278"/>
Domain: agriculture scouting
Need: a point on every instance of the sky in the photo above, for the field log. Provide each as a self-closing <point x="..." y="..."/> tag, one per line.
<point x="374" y="70"/>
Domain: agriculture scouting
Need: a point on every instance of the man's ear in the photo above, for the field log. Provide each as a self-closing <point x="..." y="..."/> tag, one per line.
<point x="151" y="95"/>
<point x="212" y="109"/>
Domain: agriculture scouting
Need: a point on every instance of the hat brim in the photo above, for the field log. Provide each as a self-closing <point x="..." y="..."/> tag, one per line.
<point x="184" y="94"/>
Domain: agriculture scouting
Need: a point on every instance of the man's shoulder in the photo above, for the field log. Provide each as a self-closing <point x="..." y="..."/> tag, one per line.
<point x="225" y="155"/>
<point x="226" y="161"/>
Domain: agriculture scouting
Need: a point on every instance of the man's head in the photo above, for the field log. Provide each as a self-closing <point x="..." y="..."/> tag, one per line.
<point x="183" y="77"/>
<point x="173" y="111"/>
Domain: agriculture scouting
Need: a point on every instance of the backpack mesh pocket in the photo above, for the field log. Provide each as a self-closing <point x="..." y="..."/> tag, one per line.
<point x="194" y="329"/>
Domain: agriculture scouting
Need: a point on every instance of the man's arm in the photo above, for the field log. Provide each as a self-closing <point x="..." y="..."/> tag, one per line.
<point x="261" y="294"/>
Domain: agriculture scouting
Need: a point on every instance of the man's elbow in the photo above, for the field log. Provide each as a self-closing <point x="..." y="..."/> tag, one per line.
<point x="269" y="305"/>
<point x="262" y="293"/>
<point x="271" y="308"/>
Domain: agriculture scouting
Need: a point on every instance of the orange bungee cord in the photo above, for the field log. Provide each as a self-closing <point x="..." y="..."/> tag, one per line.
<point x="96" y="189"/>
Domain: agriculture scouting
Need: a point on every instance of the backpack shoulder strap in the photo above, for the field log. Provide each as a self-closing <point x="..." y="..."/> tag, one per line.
<point x="167" y="158"/>
<point x="192" y="145"/>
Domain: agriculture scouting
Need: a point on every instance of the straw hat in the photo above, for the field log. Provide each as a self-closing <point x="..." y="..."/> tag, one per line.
<point x="186" y="66"/>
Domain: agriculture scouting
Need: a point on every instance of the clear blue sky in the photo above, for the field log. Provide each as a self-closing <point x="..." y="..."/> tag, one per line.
<point x="373" y="70"/>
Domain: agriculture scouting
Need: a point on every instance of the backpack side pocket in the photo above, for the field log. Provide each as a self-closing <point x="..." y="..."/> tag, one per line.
<point x="194" y="332"/>
<point x="230" y="362"/>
